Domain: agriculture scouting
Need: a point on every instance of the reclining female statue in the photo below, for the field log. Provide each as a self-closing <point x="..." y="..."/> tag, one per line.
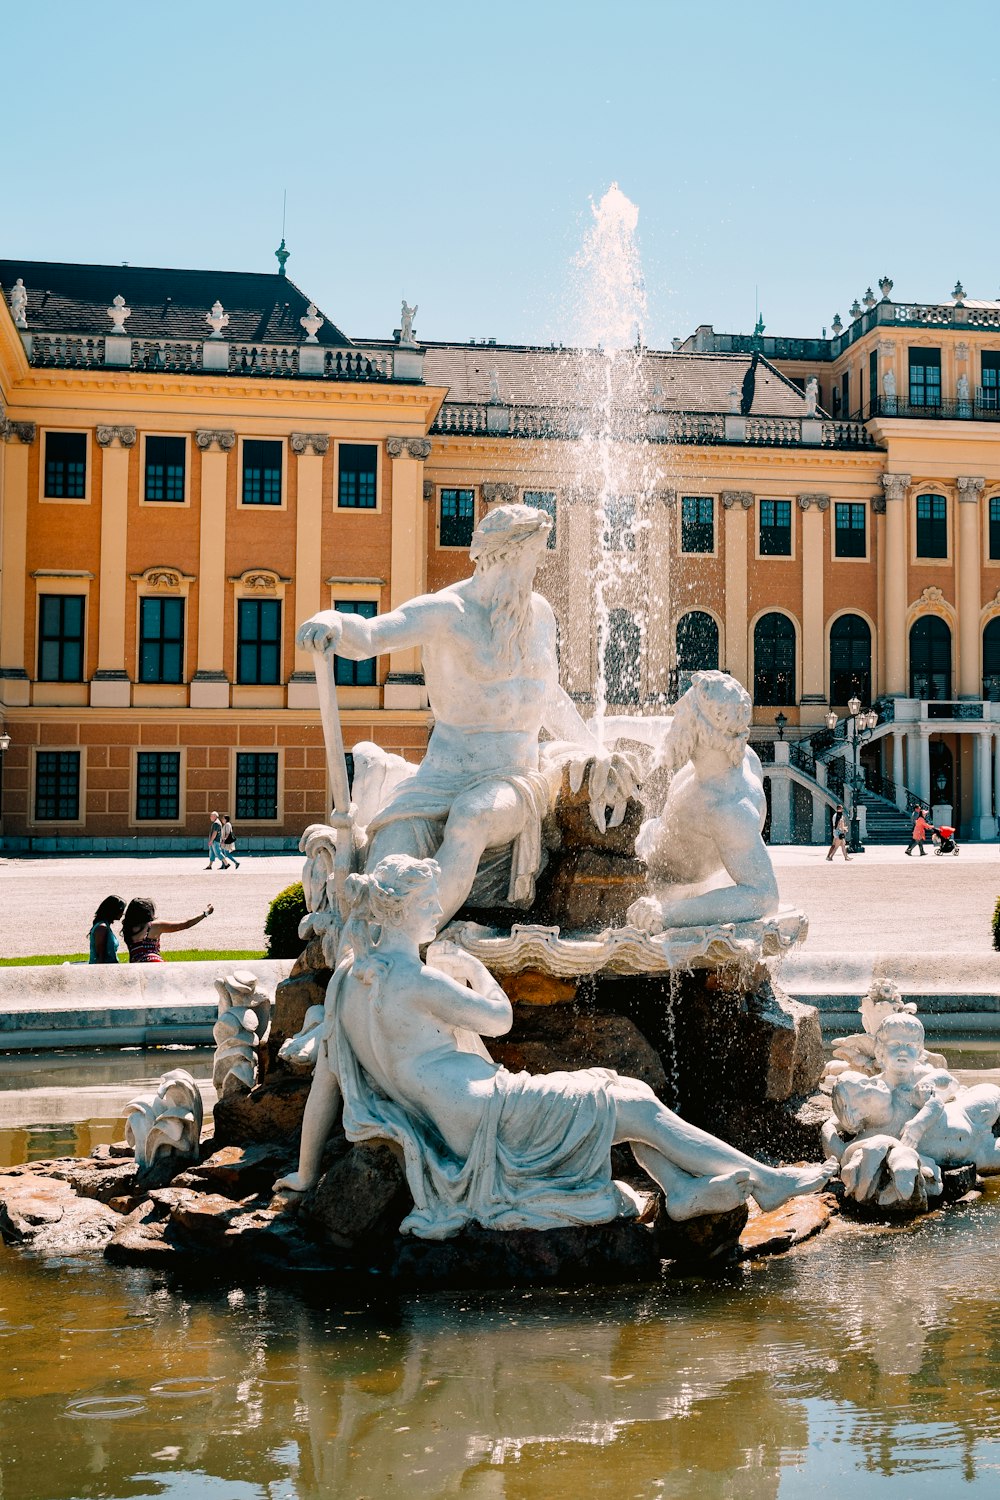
<point x="402" y="1050"/>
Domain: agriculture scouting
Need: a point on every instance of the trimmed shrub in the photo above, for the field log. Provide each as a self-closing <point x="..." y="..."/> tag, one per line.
<point x="282" y="926"/>
<point x="996" y="924"/>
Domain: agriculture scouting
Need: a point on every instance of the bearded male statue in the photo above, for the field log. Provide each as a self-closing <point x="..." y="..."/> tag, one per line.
<point x="477" y="800"/>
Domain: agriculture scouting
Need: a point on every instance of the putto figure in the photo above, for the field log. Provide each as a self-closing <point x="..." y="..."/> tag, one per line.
<point x="478" y="798"/>
<point x="402" y="1050"/>
<point x="711" y="822"/>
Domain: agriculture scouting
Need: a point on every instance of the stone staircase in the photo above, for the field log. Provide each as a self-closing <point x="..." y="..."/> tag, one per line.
<point x="886" y="824"/>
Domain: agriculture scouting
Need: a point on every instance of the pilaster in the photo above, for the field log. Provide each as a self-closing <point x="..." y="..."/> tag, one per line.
<point x="110" y="686"/>
<point x="404" y="687"/>
<point x="309" y="448"/>
<point x="970" y="488"/>
<point x="14" y="678"/>
<point x="736" y="507"/>
<point x="895" y="569"/>
<point x="210" y="684"/>
<point x="813" y="700"/>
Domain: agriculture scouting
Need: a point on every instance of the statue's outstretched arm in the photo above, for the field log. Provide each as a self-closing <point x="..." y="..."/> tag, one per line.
<point x="357" y="638"/>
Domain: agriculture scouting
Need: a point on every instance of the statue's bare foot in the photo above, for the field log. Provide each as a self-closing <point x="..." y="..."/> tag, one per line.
<point x="773" y="1186"/>
<point x="293" y="1183"/>
<point x="708" y="1195"/>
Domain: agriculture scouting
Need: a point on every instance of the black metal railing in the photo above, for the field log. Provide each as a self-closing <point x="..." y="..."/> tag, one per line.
<point x="884" y="786"/>
<point x="983" y="408"/>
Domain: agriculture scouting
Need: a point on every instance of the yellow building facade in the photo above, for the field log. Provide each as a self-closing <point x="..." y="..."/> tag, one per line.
<point x="190" y="470"/>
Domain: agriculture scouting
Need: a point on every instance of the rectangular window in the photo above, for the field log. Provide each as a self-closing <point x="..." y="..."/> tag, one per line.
<point x="619" y="524"/>
<point x="989" y="391"/>
<point x="261" y="472"/>
<point x="846" y="388"/>
<point x="256" y="786"/>
<point x="932" y="526"/>
<point x="995" y="528"/>
<point x="873" y="391"/>
<point x="458" y="518"/>
<point x="775" y="528"/>
<point x="543" y="500"/>
<point x="356" y="673"/>
<point x="258" y="646"/>
<point x="60" y="637"/>
<point x="697" y="524"/>
<point x="57" y="786"/>
<point x="161" y="640"/>
<point x="357" y="468"/>
<point x="158" y="786"/>
<point x="925" y="377"/>
<point x="849" y="531"/>
<point x="164" y="468"/>
<point x="65" y="465"/>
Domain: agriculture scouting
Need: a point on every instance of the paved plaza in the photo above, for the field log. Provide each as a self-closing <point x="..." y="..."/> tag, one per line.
<point x="880" y="901"/>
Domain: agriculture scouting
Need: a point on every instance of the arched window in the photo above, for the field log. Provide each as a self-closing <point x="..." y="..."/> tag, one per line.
<point x="622" y="657"/>
<point x="774" y="660"/>
<point x="930" y="658"/>
<point x="850" y="660"/>
<point x="697" y="640"/>
<point x="991" y="661"/>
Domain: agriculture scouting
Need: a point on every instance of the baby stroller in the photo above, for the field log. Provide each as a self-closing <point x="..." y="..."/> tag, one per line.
<point x="944" y="840"/>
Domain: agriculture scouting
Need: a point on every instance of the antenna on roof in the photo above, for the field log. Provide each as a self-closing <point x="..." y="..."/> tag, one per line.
<point x="281" y="254"/>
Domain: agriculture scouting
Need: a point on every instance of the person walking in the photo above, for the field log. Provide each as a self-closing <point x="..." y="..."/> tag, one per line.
<point x="921" y="828"/>
<point x="228" y="841"/>
<point x="142" y="932"/>
<point x="215" y="843"/>
<point x="839" y="838"/>
<point x="103" y="943"/>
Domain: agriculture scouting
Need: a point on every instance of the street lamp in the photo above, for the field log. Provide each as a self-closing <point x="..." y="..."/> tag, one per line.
<point x="780" y="720"/>
<point x="4" y="742"/>
<point x="865" y="721"/>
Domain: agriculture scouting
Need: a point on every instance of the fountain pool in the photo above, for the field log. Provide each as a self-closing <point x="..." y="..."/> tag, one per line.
<point x="866" y="1360"/>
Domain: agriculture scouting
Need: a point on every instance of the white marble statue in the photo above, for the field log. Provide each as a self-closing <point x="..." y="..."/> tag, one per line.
<point x="312" y="322"/>
<point x="244" y="1020"/>
<point x="118" y="312"/>
<point x="167" y="1123"/>
<point x="477" y="800"/>
<point x="857" y="1052"/>
<point x="217" y="319"/>
<point x="710" y="827"/>
<point x="962" y="387"/>
<point x="812" y="396"/>
<point x="406" y="317"/>
<point x="893" y="1133"/>
<point x="889" y="384"/>
<point x="402" y="1052"/>
<point x="19" y="303"/>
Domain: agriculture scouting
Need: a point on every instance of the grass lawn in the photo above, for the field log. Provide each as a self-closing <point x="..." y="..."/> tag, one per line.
<point x="184" y="955"/>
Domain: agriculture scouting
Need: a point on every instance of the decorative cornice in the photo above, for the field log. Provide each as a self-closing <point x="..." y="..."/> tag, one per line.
<point x="25" y="432"/>
<point x="492" y="493"/>
<point x="886" y="347"/>
<point x="932" y="595"/>
<point x="418" y="448"/>
<point x="300" y="442"/>
<point x="225" y="437"/>
<point x="895" y="486"/>
<point x="260" y="580"/>
<point x="163" y="578"/>
<point x="106" y="436"/>
<point x="970" y="487"/>
<point x="821" y="502"/>
<point x="737" y="497"/>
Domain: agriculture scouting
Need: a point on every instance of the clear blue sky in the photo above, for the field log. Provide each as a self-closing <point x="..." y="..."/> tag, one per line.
<point x="448" y="151"/>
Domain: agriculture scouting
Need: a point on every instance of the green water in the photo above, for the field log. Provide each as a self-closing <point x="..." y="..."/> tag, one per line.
<point x="864" y="1364"/>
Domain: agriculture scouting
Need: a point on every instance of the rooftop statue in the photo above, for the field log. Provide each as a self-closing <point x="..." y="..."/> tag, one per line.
<point x="406" y="317"/>
<point x="710" y="827"/>
<point x="893" y="1133"/>
<point x="19" y="303"/>
<point x="402" y="1051"/>
<point x="477" y="800"/>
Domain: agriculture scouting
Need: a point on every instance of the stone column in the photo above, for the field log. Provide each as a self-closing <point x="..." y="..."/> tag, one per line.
<point x="813" y="700"/>
<point x="404" y="686"/>
<point x="110" y="686"/>
<point x="14" y="675"/>
<point x="898" y="774"/>
<point x="996" y="781"/>
<point x="210" y="684"/>
<point x="985" y="824"/>
<point x="922" y="780"/>
<point x="969" y="592"/>
<point x="819" y="823"/>
<point x="736" y="506"/>
<point x="895" y="569"/>
<point x="781" y="798"/>
<point x="309" y="448"/>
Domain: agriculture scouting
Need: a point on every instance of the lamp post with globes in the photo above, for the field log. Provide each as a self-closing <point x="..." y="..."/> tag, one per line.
<point x="864" y="722"/>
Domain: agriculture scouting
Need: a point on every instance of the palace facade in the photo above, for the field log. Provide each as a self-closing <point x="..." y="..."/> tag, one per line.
<point x="193" y="462"/>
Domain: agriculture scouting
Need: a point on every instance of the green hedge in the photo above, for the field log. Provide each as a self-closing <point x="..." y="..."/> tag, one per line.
<point x="282" y="926"/>
<point x="996" y="924"/>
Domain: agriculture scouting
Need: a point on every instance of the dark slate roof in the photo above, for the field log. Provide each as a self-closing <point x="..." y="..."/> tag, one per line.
<point x="67" y="298"/>
<point x="563" y="377"/>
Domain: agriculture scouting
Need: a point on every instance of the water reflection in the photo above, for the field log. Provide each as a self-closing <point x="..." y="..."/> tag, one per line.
<point x="864" y="1358"/>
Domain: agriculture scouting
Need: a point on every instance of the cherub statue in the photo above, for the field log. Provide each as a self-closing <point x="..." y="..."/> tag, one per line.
<point x="893" y="1133"/>
<point x="710" y="826"/>
<point x="858" y="1051"/>
<point x="402" y="1051"/>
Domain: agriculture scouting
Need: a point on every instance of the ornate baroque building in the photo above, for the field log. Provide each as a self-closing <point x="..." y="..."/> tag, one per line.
<point x="193" y="462"/>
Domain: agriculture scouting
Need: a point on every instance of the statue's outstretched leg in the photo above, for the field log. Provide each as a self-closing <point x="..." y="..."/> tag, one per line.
<point x="688" y="1196"/>
<point x="699" y="1154"/>
<point x="317" y="1122"/>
